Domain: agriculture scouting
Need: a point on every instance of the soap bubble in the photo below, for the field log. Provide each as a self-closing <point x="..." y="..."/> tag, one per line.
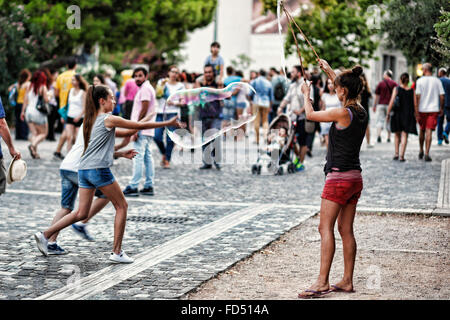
<point x="198" y="98"/>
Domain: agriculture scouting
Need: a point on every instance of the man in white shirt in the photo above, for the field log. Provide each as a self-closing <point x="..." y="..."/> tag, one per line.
<point x="429" y="104"/>
<point x="296" y="109"/>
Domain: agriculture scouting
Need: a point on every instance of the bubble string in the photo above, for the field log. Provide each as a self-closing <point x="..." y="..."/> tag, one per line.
<point x="280" y="29"/>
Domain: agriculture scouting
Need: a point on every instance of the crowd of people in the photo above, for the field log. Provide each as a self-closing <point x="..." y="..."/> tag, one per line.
<point x="337" y="108"/>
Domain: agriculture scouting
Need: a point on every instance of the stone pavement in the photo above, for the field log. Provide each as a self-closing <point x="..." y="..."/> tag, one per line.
<point x="197" y="224"/>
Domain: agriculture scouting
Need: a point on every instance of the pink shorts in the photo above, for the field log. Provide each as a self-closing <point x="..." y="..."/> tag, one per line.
<point x="341" y="190"/>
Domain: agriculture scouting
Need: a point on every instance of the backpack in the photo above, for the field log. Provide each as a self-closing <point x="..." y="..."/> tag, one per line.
<point x="278" y="91"/>
<point x="12" y="96"/>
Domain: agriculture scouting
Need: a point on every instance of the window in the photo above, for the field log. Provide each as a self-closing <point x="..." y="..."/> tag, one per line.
<point x="389" y="63"/>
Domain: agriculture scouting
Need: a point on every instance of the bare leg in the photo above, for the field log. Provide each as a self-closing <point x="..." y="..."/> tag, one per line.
<point x="397" y="142"/>
<point x="403" y="144"/>
<point x="58" y="216"/>
<point x="421" y="140"/>
<point x="86" y="196"/>
<point x="345" y="227"/>
<point x="115" y="195"/>
<point x="70" y="131"/>
<point x="368" y="134"/>
<point x="256" y="111"/>
<point x="428" y="138"/>
<point x="303" y="150"/>
<point x="96" y="207"/>
<point x="329" y="211"/>
<point x="62" y="140"/>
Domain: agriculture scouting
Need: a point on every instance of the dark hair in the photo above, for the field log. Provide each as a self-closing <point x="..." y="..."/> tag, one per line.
<point x="215" y="44"/>
<point x="38" y="80"/>
<point x="352" y="81"/>
<point x="208" y="65"/>
<point x="24" y="75"/>
<point x="71" y="62"/>
<point x="81" y="82"/>
<point x="315" y="79"/>
<point x="325" y="87"/>
<point x="239" y="73"/>
<point x="92" y="104"/>
<point x="144" y="71"/>
<point x="100" y="77"/>
<point x="262" y="73"/>
<point x="274" y="70"/>
<point x="365" y="83"/>
<point x="49" y="77"/>
<point x="230" y="70"/>
<point x="404" y="78"/>
<point x="299" y="69"/>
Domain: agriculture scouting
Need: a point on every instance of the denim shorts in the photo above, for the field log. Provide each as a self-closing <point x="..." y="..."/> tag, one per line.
<point x="95" y="178"/>
<point x="228" y="109"/>
<point x="69" y="188"/>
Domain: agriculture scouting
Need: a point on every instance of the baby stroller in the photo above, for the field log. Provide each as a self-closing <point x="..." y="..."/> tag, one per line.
<point x="277" y="160"/>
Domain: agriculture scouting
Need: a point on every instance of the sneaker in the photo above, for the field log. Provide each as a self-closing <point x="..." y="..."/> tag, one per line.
<point x="439" y="142"/>
<point x="309" y="154"/>
<point x="427" y="158"/>
<point x="120" y="258"/>
<point x="41" y="243"/>
<point x="54" y="249"/>
<point x="379" y="140"/>
<point x="389" y="140"/>
<point x="147" y="191"/>
<point x="370" y="146"/>
<point x="82" y="231"/>
<point x="421" y="155"/>
<point x="218" y="167"/>
<point x="58" y="155"/>
<point x="299" y="167"/>
<point x="395" y="158"/>
<point x="130" y="192"/>
<point x="445" y="134"/>
<point x="166" y="164"/>
<point x="205" y="167"/>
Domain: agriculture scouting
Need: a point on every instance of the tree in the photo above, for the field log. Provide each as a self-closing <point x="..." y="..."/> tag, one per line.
<point x="409" y="27"/>
<point x="336" y="29"/>
<point x="22" y="45"/>
<point x="442" y="44"/>
<point x="118" y="25"/>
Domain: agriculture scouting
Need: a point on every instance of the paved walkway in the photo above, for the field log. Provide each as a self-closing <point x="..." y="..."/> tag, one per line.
<point x="197" y="225"/>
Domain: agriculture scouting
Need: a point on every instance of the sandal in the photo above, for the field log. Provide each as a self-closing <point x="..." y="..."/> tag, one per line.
<point x="338" y="289"/>
<point x="314" y="294"/>
<point x="32" y="151"/>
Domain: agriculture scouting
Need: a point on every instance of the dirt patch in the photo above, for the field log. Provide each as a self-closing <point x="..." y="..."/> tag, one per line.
<point x="398" y="257"/>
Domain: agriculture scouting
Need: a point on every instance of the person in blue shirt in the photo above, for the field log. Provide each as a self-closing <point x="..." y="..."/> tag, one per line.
<point x="441" y="132"/>
<point x="216" y="61"/>
<point x="229" y="110"/>
<point x="6" y="136"/>
<point x="261" y="102"/>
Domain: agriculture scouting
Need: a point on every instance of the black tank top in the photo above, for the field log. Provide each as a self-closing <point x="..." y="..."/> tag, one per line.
<point x="345" y="144"/>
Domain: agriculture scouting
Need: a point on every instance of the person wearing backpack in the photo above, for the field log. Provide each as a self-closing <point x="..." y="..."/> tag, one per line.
<point x="16" y="97"/>
<point x="383" y="94"/>
<point x="279" y="87"/>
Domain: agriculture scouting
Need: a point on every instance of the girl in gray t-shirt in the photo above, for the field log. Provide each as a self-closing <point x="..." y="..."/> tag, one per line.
<point x="94" y="171"/>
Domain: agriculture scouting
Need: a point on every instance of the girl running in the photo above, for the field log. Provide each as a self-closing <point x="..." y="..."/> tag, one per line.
<point x="94" y="168"/>
<point x="343" y="184"/>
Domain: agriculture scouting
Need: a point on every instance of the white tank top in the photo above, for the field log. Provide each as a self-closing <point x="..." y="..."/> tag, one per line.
<point x="75" y="103"/>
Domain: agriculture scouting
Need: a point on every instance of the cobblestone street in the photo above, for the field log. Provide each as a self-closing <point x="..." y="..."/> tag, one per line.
<point x="197" y="225"/>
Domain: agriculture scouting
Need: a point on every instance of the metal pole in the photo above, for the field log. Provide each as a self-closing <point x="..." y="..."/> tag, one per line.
<point x="215" y="22"/>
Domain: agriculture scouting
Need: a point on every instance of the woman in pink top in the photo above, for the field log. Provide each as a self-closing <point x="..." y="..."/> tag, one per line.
<point x="130" y="90"/>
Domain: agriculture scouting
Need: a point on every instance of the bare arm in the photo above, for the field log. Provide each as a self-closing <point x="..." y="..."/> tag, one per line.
<point x="323" y="64"/>
<point x="145" y="105"/>
<point x="391" y="102"/>
<point x="375" y="102"/>
<point x="6" y="136"/>
<point x="24" y="105"/>
<point x="339" y="115"/>
<point x="416" y="106"/>
<point x="119" y="122"/>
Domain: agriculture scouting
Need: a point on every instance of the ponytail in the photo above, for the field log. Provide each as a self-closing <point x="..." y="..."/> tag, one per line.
<point x="352" y="81"/>
<point x="92" y="105"/>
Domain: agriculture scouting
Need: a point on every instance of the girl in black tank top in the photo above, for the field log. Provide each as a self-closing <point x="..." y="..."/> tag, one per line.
<point x="343" y="184"/>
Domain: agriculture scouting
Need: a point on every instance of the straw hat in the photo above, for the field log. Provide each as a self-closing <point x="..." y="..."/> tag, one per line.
<point x="17" y="171"/>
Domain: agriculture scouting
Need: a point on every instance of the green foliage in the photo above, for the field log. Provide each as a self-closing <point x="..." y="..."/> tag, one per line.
<point x="442" y="44"/>
<point x="336" y="29"/>
<point x="119" y="25"/>
<point x="242" y="62"/>
<point x="409" y="27"/>
<point x="22" y="45"/>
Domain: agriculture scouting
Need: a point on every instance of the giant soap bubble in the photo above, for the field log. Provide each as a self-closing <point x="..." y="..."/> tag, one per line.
<point x="200" y="98"/>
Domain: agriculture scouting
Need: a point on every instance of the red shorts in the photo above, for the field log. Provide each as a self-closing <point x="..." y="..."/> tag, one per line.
<point x="342" y="191"/>
<point x="428" y="120"/>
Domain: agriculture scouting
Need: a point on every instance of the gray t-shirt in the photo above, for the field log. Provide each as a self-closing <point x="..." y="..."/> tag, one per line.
<point x="100" y="151"/>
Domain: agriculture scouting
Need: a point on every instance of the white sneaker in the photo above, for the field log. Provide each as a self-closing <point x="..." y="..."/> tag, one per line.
<point x="370" y="146"/>
<point x="41" y="243"/>
<point x="120" y="258"/>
